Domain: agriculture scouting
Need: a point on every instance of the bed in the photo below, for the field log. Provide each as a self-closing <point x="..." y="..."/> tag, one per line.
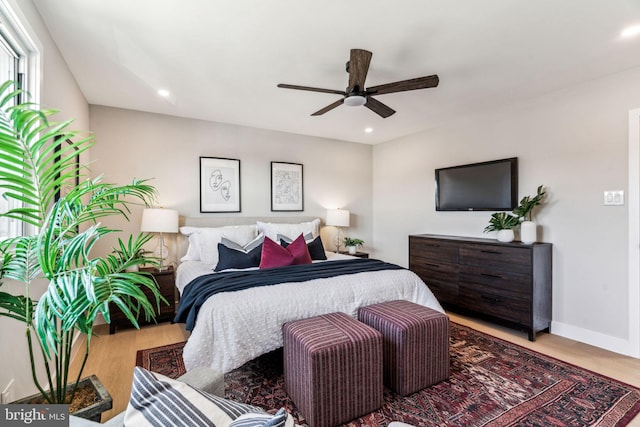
<point x="230" y="327"/>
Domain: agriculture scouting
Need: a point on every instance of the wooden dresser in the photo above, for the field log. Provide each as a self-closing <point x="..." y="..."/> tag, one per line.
<point x="505" y="282"/>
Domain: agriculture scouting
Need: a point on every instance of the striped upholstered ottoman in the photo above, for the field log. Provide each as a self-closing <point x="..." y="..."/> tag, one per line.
<point x="415" y="344"/>
<point x="332" y="368"/>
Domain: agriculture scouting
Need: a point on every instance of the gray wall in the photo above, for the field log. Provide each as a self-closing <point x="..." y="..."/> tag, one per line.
<point x="574" y="142"/>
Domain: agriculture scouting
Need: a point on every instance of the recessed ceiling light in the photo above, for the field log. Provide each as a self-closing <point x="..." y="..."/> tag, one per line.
<point x="164" y="93"/>
<point x="634" y="30"/>
<point x="368" y="130"/>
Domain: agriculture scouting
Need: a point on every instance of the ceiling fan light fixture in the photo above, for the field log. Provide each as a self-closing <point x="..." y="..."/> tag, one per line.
<point x="355" y="100"/>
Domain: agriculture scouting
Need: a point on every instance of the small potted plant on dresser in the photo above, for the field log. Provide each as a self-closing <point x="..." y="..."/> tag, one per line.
<point x="352" y="244"/>
<point x="503" y="223"/>
<point x="528" y="228"/>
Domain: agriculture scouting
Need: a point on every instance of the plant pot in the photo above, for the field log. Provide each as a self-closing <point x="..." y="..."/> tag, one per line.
<point x="505" y="236"/>
<point x="352" y="249"/>
<point x="528" y="232"/>
<point x="93" y="412"/>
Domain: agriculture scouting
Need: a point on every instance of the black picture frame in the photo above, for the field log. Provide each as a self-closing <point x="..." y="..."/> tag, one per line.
<point x="219" y="185"/>
<point x="57" y="151"/>
<point x="287" y="187"/>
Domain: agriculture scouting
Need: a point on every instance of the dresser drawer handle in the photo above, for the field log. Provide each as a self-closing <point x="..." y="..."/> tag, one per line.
<point x="492" y="299"/>
<point x="486" y="251"/>
<point x="432" y="265"/>
<point x="495" y="276"/>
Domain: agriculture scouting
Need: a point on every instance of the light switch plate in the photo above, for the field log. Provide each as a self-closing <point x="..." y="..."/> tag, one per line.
<point x="614" y="198"/>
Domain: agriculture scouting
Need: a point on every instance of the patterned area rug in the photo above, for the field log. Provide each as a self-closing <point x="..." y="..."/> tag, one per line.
<point x="492" y="383"/>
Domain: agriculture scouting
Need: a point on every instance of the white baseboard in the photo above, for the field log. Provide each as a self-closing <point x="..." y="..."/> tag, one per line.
<point x="607" y="342"/>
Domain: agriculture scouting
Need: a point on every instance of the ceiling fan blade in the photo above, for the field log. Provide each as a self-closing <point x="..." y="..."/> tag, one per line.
<point x="312" y="89"/>
<point x="329" y="107"/>
<point x="358" y="67"/>
<point x="404" y="85"/>
<point x="378" y="107"/>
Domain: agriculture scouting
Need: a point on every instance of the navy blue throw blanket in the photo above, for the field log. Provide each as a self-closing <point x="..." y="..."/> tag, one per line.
<point x="201" y="288"/>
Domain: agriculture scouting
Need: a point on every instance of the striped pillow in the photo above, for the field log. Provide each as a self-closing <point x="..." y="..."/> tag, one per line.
<point x="160" y="401"/>
<point x="280" y="419"/>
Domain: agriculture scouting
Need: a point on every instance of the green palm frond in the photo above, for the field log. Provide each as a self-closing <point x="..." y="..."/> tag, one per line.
<point x="38" y="160"/>
<point x="35" y="157"/>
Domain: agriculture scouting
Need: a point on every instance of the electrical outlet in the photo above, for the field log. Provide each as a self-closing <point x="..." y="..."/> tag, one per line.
<point x="614" y="198"/>
<point x="8" y="395"/>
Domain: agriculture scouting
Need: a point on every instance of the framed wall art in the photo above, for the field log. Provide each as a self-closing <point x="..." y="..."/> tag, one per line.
<point x="219" y="184"/>
<point x="286" y="187"/>
<point x="61" y="150"/>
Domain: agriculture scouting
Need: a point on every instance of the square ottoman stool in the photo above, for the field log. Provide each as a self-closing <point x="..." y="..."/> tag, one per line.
<point x="332" y="368"/>
<point x="415" y="344"/>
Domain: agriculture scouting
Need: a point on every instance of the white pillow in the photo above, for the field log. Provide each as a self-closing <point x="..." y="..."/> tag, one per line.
<point x="210" y="237"/>
<point x="271" y="229"/>
<point x="193" y="250"/>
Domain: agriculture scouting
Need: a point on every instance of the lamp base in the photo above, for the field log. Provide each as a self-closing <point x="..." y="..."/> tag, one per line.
<point x="338" y="240"/>
<point x="161" y="253"/>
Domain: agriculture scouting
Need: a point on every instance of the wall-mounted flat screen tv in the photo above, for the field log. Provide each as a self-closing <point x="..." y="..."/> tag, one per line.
<point x="486" y="186"/>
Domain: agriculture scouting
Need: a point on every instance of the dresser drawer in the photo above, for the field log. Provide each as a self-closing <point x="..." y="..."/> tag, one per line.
<point x="441" y="278"/>
<point x="497" y="257"/>
<point x="501" y="306"/>
<point x="439" y="250"/>
<point x="499" y="281"/>
<point x="166" y="286"/>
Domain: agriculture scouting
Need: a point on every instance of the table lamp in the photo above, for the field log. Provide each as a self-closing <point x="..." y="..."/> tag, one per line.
<point x="160" y="220"/>
<point x="338" y="218"/>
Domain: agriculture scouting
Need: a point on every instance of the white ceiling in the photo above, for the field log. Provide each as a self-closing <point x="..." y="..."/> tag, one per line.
<point x="222" y="60"/>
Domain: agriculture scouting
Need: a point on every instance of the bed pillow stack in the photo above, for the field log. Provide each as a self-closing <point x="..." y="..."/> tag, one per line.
<point x="241" y="246"/>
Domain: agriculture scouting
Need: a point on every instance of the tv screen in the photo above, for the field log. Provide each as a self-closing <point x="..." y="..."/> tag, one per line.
<point x="486" y="186"/>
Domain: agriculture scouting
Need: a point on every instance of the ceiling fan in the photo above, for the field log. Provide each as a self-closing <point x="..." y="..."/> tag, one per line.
<point x="356" y="94"/>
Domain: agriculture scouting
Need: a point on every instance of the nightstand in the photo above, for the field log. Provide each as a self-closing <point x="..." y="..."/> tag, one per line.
<point x="357" y="254"/>
<point x="167" y="287"/>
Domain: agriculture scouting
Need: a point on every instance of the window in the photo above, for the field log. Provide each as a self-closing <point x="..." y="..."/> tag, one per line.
<point x="19" y="62"/>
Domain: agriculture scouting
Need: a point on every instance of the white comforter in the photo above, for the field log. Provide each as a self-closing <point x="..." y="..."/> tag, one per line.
<point x="235" y="327"/>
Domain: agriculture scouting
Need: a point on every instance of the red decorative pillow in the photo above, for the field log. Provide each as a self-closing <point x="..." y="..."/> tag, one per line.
<point x="274" y="255"/>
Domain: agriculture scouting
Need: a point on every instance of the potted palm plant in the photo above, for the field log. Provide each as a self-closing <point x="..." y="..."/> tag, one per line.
<point x="64" y="209"/>
<point x="503" y="223"/>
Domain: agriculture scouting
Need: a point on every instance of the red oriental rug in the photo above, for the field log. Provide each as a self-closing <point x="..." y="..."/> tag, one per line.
<point x="492" y="383"/>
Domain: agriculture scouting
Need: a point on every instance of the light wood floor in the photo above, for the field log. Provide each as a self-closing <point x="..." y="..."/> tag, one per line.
<point x="112" y="357"/>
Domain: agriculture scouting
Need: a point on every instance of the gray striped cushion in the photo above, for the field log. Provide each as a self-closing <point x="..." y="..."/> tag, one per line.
<point x="160" y="401"/>
<point x="247" y="247"/>
<point x="280" y="419"/>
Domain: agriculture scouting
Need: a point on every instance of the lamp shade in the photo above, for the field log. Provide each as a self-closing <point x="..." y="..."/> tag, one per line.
<point x="338" y="217"/>
<point x="159" y="220"/>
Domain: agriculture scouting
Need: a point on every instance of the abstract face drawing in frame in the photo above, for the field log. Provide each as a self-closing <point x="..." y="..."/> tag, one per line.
<point x="219" y="184"/>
